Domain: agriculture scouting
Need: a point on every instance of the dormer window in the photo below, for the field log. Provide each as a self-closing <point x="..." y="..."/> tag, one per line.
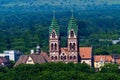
<point x="53" y="35"/>
<point x="71" y="33"/>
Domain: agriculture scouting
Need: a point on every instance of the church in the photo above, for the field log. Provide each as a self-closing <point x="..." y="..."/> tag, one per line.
<point x="72" y="52"/>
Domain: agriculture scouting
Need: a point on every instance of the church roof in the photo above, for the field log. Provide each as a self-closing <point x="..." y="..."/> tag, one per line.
<point x="73" y="25"/>
<point x="85" y="52"/>
<point x="54" y="26"/>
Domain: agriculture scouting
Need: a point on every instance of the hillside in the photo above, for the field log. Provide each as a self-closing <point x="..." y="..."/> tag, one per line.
<point x="33" y="5"/>
<point x="25" y="23"/>
<point x="24" y="30"/>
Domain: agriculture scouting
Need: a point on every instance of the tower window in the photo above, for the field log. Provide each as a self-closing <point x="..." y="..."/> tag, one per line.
<point x="55" y="57"/>
<point x="73" y="46"/>
<point x="74" y="57"/>
<point x="70" y="57"/>
<point x="52" y="46"/>
<point x="52" y="58"/>
<point x="53" y="35"/>
<point x="72" y="34"/>
<point x="61" y="57"/>
<point x="70" y="46"/>
<point x="55" y="46"/>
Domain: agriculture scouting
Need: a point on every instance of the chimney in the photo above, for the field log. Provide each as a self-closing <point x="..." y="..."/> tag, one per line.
<point x="32" y="51"/>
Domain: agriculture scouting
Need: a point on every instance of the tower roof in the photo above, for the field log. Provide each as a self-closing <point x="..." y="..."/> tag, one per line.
<point x="54" y="26"/>
<point x="72" y="25"/>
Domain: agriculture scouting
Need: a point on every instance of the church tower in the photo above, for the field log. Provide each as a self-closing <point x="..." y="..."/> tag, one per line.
<point x="54" y="48"/>
<point x="73" y="41"/>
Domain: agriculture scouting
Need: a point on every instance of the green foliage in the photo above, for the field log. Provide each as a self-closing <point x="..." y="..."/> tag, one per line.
<point x="59" y="71"/>
<point x="110" y="68"/>
<point x="24" y="30"/>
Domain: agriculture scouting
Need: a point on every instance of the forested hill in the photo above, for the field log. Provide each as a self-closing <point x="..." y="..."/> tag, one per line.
<point x="48" y="5"/>
<point x="24" y="30"/>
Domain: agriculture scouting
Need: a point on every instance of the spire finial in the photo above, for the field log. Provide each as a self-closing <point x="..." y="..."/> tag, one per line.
<point x="72" y="12"/>
<point x="54" y="13"/>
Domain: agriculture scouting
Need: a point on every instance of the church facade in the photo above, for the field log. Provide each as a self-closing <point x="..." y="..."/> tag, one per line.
<point x="71" y="53"/>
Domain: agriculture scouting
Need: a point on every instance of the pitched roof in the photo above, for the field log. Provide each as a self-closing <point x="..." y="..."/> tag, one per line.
<point x="54" y="26"/>
<point x="37" y="58"/>
<point x="85" y="52"/>
<point x="45" y="56"/>
<point x="72" y="25"/>
<point x="106" y="58"/>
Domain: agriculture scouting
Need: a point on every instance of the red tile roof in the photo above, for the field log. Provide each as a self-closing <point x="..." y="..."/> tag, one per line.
<point x="85" y="52"/>
<point x="106" y="58"/>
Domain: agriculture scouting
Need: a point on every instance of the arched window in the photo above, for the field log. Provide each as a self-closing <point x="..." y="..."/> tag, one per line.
<point x="73" y="46"/>
<point x="53" y="35"/>
<point x="55" y="57"/>
<point x="52" y="58"/>
<point x="70" y="46"/>
<point x="52" y="46"/>
<point x="71" y="34"/>
<point x="74" y="57"/>
<point x="55" y="46"/>
<point x="70" y="57"/>
<point x="64" y="57"/>
<point x="61" y="57"/>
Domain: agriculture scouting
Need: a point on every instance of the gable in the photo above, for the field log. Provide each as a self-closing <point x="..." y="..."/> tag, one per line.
<point x="71" y="34"/>
<point x="53" y="34"/>
<point x="29" y="60"/>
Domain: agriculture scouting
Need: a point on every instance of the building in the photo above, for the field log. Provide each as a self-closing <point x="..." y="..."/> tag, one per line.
<point x="33" y="58"/>
<point x="116" y="58"/>
<point x="12" y="55"/>
<point x="116" y="41"/>
<point x="86" y="55"/>
<point x="4" y="61"/>
<point x="101" y="60"/>
<point x="71" y="53"/>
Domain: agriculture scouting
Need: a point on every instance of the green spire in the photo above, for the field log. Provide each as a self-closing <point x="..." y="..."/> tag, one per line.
<point x="72" y="25"/>
<point x="54" y="26"/>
